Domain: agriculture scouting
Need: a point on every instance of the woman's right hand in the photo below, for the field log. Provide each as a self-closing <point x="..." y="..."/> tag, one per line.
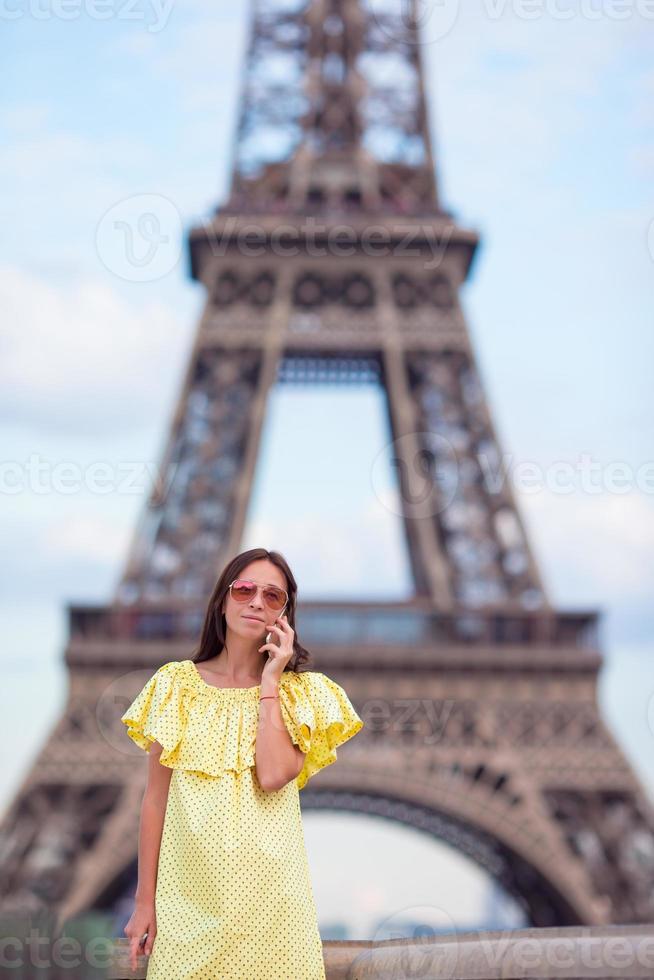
<point x="143" y="920"/>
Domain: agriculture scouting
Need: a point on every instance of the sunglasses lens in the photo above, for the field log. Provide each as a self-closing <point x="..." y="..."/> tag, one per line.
<point x="242" y="590"/>
<point x="274" y="597"/>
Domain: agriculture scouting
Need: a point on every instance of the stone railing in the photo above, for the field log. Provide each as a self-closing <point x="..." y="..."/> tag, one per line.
<point x="571" y="952"/>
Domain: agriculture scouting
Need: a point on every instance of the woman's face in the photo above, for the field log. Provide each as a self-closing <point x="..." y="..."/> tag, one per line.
<point x="254" y="618"/>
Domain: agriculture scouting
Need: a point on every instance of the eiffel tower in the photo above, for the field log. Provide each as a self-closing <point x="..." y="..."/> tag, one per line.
<point x="333" y="260"/>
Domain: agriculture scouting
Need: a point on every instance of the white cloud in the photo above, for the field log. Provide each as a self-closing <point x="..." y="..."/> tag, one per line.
<point x="54" y="154"/>
<point x="187" y="56"/>
<point x="80" y="351"/>
<point x="641" y="159"/>
<point x="87" y="538"/>
<point x="24" y="117"/>
<point x="507" y="127"/>
<point x="597" y="545"/>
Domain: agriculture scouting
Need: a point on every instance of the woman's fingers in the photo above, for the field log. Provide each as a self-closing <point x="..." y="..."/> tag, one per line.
<point x="284" y="628"/>
<point x="133" y="950"/>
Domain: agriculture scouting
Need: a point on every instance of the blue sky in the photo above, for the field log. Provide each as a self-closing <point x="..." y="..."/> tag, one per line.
<point x="543" y="133"/>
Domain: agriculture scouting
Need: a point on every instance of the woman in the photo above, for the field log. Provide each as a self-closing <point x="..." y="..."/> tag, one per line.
<point x="223" y="880"/>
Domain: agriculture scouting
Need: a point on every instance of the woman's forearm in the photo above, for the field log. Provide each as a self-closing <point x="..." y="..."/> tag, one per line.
<point x="153" y="811"/>
<point x="278" y="759"/>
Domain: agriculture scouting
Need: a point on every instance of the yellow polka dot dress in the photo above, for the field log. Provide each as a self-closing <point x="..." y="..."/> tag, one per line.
<point x="234" y="899"/>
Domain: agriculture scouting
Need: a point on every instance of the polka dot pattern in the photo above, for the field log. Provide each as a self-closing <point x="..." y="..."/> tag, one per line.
<point x="234" y="898"/>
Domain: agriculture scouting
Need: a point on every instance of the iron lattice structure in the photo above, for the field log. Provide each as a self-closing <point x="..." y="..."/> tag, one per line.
<point x="332" y="261"/>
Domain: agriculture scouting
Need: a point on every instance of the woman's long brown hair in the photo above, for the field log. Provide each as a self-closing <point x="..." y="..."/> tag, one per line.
<point x="214" y="629"/>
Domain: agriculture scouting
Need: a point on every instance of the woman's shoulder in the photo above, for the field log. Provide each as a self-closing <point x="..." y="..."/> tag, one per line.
<point x="303" y="678"/>
<point x="315" y="684"/>
<point x="305" y="673"/>
<point x="319" y="717"/>
<point x="178" y="669"/>
<point x="171" y="676"/>
<point x="170" y="667"/>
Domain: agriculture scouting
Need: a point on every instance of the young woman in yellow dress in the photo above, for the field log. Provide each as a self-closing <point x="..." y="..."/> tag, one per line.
<point x="232" y="735"/>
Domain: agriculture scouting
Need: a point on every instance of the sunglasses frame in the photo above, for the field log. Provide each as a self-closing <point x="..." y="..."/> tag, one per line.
<point x="262" y="587"/>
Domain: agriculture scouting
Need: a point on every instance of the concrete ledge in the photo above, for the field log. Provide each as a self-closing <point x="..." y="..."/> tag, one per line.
<point x="571" y="952"/>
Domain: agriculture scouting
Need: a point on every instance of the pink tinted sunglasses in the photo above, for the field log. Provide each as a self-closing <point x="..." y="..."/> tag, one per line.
<point x="243" y="589"/>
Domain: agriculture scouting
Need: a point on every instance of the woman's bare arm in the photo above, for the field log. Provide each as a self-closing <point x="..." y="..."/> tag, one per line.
<point x="153" y="812"/>
<point x="278" y="759"/>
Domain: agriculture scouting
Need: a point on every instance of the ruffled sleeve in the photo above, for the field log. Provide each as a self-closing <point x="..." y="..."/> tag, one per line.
<point x="318" y="716"/>
<point x="158" y="712"/>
